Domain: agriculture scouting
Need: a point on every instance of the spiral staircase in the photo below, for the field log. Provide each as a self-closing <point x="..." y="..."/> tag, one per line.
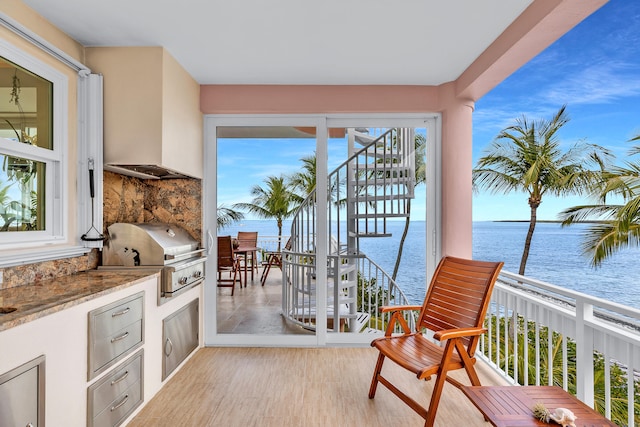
<point x="370" y="188"/>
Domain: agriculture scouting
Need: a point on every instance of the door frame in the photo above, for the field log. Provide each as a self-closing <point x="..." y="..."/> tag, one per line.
<point x="431" y="121"/>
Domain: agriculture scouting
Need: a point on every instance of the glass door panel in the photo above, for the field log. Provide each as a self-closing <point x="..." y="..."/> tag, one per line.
<point x="263" y="174"/>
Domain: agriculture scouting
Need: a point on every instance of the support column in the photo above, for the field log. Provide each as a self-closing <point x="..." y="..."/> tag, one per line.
<point x="457" y="165"/>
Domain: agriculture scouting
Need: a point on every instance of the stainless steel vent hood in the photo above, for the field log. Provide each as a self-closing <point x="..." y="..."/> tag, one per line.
<point x="146" y="171"/>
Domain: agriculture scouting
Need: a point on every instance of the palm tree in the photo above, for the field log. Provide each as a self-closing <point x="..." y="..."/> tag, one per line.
<point x="620" y="225"/>
<point x="527" y="157"/>
<point x="304" y="181"/>
<point x="227" y="216"/>
<point x="276" y="201"/>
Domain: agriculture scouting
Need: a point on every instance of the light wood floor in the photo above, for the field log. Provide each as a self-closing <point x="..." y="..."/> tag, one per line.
<point x="297" y="387"/>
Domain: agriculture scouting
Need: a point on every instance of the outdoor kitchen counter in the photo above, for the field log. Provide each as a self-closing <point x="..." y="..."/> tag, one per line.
<point x="53" y="295"/>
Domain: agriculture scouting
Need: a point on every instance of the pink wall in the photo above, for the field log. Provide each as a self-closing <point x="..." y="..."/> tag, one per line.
<point x="299" y="99"/>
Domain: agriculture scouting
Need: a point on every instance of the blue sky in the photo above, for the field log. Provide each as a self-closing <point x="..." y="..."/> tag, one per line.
<point x="594" y="69"/>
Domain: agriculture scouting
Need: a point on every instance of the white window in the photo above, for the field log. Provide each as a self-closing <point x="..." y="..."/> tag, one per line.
<point x="33" y="151"/>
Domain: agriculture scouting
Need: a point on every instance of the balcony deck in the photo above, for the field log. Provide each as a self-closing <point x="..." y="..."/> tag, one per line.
<point x="582" y="325"/>
<point x="291" y="386"/>
<point x="255" y="309"/>
<point x="297" y="387"/>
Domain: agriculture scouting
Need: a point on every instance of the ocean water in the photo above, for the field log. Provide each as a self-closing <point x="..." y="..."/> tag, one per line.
<point x="555" y="257"/>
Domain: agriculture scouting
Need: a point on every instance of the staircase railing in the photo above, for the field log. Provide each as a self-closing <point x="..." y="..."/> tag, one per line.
<point x="371" y="186"/>
<point x="375" y="288"/>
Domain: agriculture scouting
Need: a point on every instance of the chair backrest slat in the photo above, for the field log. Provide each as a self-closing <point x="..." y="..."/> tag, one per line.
<point x="458" y="296"/>
<point x="248" y="238"/>
<point x="225" y="252"/>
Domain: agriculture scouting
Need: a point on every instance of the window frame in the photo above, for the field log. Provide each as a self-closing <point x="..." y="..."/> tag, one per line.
<point x="56" y="159"/>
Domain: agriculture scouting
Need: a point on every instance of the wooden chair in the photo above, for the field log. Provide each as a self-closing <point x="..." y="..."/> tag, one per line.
<point x="227" y="262"/>
<point x="454" y="309"/>
<point x="273" y="259"/>
<point x="249" y="239"/>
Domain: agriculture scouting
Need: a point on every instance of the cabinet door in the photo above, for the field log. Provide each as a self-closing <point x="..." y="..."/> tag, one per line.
<point x="22" y="395"/>
<point x="180" y="336"/>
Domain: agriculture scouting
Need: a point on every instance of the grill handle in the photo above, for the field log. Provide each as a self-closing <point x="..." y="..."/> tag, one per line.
<point x="184" y="255"/>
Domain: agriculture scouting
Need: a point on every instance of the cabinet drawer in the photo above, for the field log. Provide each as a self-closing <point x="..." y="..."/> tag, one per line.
<point x="107" y="390"/>
<point x="114" y="331"/>
<point x="109" y="348"/>
<point x="106" y="320"/>
<point x="115" y="397"/>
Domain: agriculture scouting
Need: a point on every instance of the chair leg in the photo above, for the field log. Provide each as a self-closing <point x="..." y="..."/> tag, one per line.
<point x="439" y="384"/>
<point x="376" y="373"/>
<point x="265" y="270"/>
<point x="265" y="273"/>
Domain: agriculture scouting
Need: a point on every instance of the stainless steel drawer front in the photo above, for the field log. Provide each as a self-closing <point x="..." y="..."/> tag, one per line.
<point x="110" y="347"/>
<point x="117" y="317"/>
<point x="115" y="330"/>
<point x="113" y="398"/>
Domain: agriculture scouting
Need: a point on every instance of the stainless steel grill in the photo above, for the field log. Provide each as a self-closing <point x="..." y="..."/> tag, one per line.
<point x="166" y="246"/>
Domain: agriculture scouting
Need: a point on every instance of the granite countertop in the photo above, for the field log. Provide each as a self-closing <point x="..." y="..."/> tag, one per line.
<point x="50" y="296"/>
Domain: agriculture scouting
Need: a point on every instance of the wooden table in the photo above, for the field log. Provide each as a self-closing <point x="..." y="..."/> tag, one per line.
<point x="244" y="250"/>
<point x="511" y="406"/>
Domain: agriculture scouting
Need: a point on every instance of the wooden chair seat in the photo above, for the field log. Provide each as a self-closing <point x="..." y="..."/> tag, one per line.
<point x="454" y="310"/>
<point x="417" y="354"/>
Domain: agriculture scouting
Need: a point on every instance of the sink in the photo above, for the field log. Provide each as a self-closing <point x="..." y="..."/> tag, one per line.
<point x="5" y="310"/>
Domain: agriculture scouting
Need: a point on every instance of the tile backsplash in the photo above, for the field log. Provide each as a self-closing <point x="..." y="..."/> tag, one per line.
<point x="173" y="201"/>
<point x="21" y="275"/>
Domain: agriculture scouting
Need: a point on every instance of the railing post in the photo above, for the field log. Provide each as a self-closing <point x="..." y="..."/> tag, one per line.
<point x="584" y="352"/>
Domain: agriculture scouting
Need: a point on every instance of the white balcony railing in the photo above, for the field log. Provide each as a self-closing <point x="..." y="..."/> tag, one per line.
<point x="590" y="345"/>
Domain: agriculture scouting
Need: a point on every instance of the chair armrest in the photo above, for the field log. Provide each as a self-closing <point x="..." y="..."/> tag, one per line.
<point x="447" y="334"/>
<point x="388" y="308"/>
<point x="396" y="316"/>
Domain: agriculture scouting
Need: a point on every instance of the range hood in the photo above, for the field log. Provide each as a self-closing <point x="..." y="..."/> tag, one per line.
<point x="146" y="171"/>
<point x="153" y="126"/>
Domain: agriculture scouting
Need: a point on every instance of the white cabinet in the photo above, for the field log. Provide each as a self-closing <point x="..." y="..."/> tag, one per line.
<point x="63" y="338"/>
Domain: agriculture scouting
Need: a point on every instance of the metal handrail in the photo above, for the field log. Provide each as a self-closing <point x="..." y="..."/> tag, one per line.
<point x="375" y="289"/>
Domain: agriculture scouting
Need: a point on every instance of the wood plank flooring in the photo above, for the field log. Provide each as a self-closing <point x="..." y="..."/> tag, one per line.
<point x="297" y="387"/>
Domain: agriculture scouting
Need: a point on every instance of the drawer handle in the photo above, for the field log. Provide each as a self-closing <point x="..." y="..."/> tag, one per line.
<point x="170" y="344"/>
<point x="120" y="313"/>
<point x="122" y="402"/>
<point x="120" y="337"/>
<point x="117" y="380"/>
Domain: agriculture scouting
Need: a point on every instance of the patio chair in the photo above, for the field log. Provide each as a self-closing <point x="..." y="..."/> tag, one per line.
<point x="227" y="263"/>
<point x="273" y="258"/>
<point x="248" y="239"/>
<point x="454" y="310"/>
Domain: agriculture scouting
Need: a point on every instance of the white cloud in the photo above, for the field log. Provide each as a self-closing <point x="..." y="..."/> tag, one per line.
<point x="596" y="84"/>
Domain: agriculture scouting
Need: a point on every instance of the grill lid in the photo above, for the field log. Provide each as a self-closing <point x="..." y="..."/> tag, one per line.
<point x="147" y="244"/>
